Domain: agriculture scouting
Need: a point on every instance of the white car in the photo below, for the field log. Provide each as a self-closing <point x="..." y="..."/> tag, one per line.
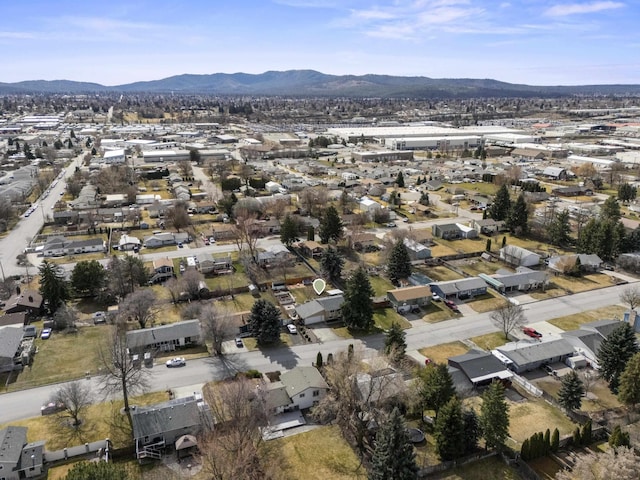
<point x="435" y="298"/>
<point x="176" y="362"/>
<point x="292" y="328"/>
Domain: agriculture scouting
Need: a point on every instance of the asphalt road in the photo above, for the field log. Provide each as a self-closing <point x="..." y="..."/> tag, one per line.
<point x="25" y="404"/>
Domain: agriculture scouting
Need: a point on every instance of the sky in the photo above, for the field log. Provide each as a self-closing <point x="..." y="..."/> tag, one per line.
<point x="535" y="42"/>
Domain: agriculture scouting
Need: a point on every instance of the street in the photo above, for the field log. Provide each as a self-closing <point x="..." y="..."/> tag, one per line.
<point x="27" y="403"/>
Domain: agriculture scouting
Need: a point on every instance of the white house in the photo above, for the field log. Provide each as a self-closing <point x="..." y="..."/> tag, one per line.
<point x="519" y="256"/>
<point x="128" y="242"/>
<point x="114" y="156"/>
<point x="369" y="206"/>
<point x="304" y="386"/>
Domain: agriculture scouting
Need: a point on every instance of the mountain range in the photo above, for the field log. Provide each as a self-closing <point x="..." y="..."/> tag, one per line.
<point x="311" y="83"/>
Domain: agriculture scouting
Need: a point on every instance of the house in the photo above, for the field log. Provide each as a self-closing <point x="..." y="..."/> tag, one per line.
<point x="369" y="206"/>
<point x="29" y="301"/>
<point x="522" y="281"/>
<point x="11" y="348"/>
<point x="160" y="427"/>
<point x="557" y="173"/>
<point x="222" y="265"/>
<point x="526" y="356"/>
<point x="416" y="251"/>
<point x="488" y="226"/>
<point x="449" y="231"/>
<point x="405" y="298"/>
<point x="323" y="309"/>
<point x="573" y="191"/>
<point x="19" y="459"/>
<point x="165" y="338"/>
<point x="274" y="255"/>
<point x="631" y="317"/>
<point x="433" y="185"/>
<point x="162" y="270"/>
<point x="519" y="256"/>
<point x="310" y="248"/>
<point x="481" y="368"/>
<point x="381" y="385"/>
<point x="588" y="263"/>
<point x="60" y="246"/>
<point x="205" y="263"/>
<point x="362" y="240"/>
<point x="304" y="386"/>
<point x="164" y="239"/>
<point x="128" y="242"/>
<point x="462" y="288"/>
<point x="18" y="318"/>
<point x="585" y="342"/>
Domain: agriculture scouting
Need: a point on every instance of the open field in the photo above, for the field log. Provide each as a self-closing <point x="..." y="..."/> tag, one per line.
<point x="440" y="353"/>
<point x="491" y="468"/>
<point x="489" y="341"/>
<point x="479" y="187"/>
<point x="319" y="454"/>
<point x="573" y="322"/>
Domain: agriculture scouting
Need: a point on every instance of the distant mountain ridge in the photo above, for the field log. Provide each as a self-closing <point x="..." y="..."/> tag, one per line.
<point x="313" y="83"/>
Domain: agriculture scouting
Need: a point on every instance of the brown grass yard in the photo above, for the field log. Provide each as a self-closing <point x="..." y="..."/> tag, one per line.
<point x="436" y="312"/>
<point x="536" y="415"/>
<point x="226" y="281"/>
<point x="461" y="246"/>
<point x="82" y="257"/>
<point x="599" y="396"/>
<point x="489" y="341"/>
<point x="320" y="454"/>
<point x="439" y="250"/>
<point x="491" y="468"/>
<point x="440" y="353"/>
<point x="440" y="274"/>
<point x="584" y="283"/>
<point x="546" y="467"/>
<point x="573" y="322"/>
<point x="479" y="187"/>
<point x="485" y="303"/>
<point x="548" y="293"/>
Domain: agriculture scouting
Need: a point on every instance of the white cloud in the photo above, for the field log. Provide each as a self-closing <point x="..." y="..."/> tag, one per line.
<point x="580" y="8"/>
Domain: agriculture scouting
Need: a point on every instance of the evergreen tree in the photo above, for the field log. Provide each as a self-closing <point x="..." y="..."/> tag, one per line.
<point x="501" y="206"/>
<point x="288" y="231"/>
<point x="626" y="192"/>
<point x="560" y="229"/>
<point x="586" y="432"/>
<point x="504" y="241"/>
<point x="629" y="389"/>
<point x="472" y="432"/>
<point x="610" y="210"/>
<point x="614" y="353"/>
<point x="619" y="438"/>
<point x="555" y="440"/>
<point x="435" y="386"/>
<point x="424" y="199"/>
<point x="53" y="286"/>
<point x="587" y="238"/>
<point x="393" y="455"/>
<point x="518" y="219"/>
<point x="330" y="225"/>
<point x="265" y="322"/>
<point x="494" y="416"/>
<point x="571" y="391"/>
<point x="357" y="309"/>
<point x="331" y="264"/>
<point x="577" y="439"/>
<point x="399" y="265"/>
<point x="311" y="233"/>
<point x="547" y="441"/>
<point x="449" y="431"/>
<point x="488" y="245"/>
<point x="319" y="361"/>
<point x="525" y="450"/>
<point x="400" y="180"/>
<point x="88" y="278"/>
<point x="395" y="344"/>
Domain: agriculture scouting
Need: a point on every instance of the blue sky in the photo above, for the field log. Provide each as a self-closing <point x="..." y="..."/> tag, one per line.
<point x="537" y="42"/>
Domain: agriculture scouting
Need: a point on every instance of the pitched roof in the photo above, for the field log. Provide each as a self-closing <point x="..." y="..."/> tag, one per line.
<point x="603" y="327"/>
<point x="536" y="352"/>
<point x="165" y="417"/>
<point x="162" y="262"/>
<point x="301" y="378"/>
<point x="28" y="298"/>
<point x="12" y="439"/>
<point x="410" y="293"/>
<point x="461" y="285"/>
<point x="17" y="318"/>
<point x="163" y="333"/>
<point x="479" y="366"/>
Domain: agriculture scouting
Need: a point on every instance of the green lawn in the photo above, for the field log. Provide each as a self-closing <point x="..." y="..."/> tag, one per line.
<point x="227" y="281"/>
<point x="380" y="285"/>
<point x="384" y="317"/>
<point x="436" y="312"/>
<point x="573" y="322"/>
<point x="491" y="468"/>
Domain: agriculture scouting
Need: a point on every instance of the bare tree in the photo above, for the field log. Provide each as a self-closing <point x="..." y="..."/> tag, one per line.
<point x="620" y="463"/>
<point x="234" y="448"/>
<point x="217" y="325"/>
<point x="140" y="306"/>
<point x="190" y="283"/>
<point x="508" y="317"/>
<point x="313" y="198"/>
<point x="7" y="288"/>
<point x="75" y="397"/>
<point x="631" y="296"/>
<point x="174" y="288"/>
<point x="178" y="217"/>
<point x="65" y="317"/>
<point x="119" y="374"/>
<point x="278" y="207"/>
<point x="246" y="231"/>
<point x="185" y="168"/>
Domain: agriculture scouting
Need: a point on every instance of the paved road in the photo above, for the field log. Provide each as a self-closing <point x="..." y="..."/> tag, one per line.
<point x="25" y="404"/>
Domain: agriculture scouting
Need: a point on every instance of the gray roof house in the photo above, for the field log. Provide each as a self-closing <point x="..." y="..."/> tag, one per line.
<point x="481" y="368"/>
<point x="523" y="280"/>
<point x="161" y="426"/>
<point x="10" y="347"/>
<point x="304" y="386"/>
<point x="462" y="288"/>
<point x="519" y="256"/>
<point x="165" y="238"/>
<point x="19" y="459"/>
<point x="588" y="262"/>
<point x="417" y="251"/>
<point x="61" y="246"/>
<point x="165" y="338"/>
<point x="525" y="356"/>
<point x="323" y="309"/>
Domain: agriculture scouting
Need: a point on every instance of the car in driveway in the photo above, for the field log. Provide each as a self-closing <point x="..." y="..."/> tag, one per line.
<point x="176" y="362"/>
<point x="451" y="305"/>
<point x="531" y="332"/>
<point x="391" y="225"/>
<point x="239" y="343"/>
<point x="292" y="328"/>
<point x="46" y="333"/>
<point x="435" y="297"/>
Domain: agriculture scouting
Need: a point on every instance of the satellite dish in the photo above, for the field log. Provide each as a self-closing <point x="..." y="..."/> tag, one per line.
<point x="319" y="285"/>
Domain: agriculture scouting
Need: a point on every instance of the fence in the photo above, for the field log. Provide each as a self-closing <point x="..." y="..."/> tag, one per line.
<point x="424" y="472"/>
<point x="529" y="387"/>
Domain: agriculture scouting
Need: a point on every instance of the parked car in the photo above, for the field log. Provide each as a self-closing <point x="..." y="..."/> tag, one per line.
<point x="451" y="305"/>
<point x="292" y="328"/>
<point x="180" y="245"/>
<point x="46" y="333"/>
<point x="435" y="297"/>
<point x="99" y="317"/>
<point x="176" y="362"/>
<point x="239" y="343"/>
<point x="51" y="408"/>
<point x="531" y="332"/>
<point x="391" y="225"/>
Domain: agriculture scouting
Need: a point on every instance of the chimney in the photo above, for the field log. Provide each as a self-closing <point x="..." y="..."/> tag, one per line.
<point x="30" y="299"/>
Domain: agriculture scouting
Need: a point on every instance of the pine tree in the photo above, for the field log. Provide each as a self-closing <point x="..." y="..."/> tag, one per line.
<point x="585" y="433"/>
<point x="330" y="225"/>
<point x="472" y="431"/>
<point x="319" y="361"/>
<point x="449" y="431"/>
<point x="501" y="206"/>
<point x="504" y="242"/>
<point x="547" y="441"/>
<point x="525" y="453"/>
<point x="488" y="245"/>
<point x="571" y="391"/>
<point x="357" y="309"/>
<point x="395" y="345"/>
<point x="555" y="440"/>
<point x="619" y="438"/>
<point x="577" y="440"/>
<point x="53" y="286"/>
<point x="265" y="322"/>
<point x="399" y="266"/>
<point x="288" y="231"/>
<point x="614" y="353"/>
<point x="311" y="233"/>
<point x="610" y="209"/>
<point x="331" y="263"/>
<point x="518" y="219"/>
<point x="629" y="389"/>
<point x="435" y="386"/>
<point x="393" y="455"/>
<point x="494" y="416"/>
<point x="400" y="180"/>
<point x="560" y="229"/>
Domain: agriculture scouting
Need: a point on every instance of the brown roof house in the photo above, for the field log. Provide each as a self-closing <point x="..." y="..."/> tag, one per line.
<point x="28" y="301"/>
<point x="404" y="299"/>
